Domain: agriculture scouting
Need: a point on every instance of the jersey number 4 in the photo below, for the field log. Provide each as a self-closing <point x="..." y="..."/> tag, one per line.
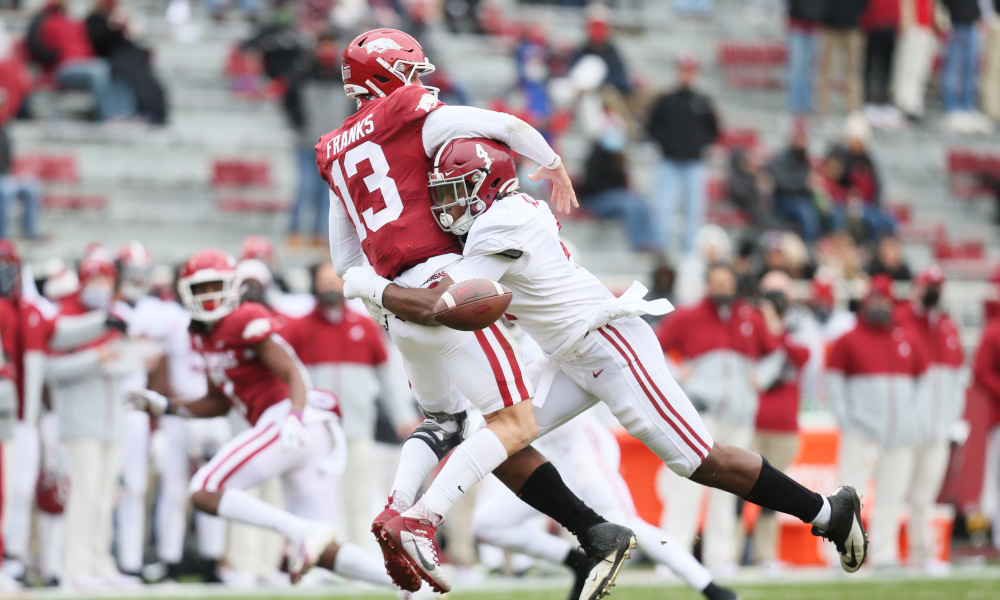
<point x="378" y="180"/>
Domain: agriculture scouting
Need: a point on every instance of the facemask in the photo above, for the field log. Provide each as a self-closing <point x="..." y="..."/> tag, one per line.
<point x="931" y="298"/>
<point x="8" y="279"/>
<point x="329" y="299"/>
<point x="779" y="300"/>
<point x="722" y="300"/>
<point x="95" y="298"/>
<point x="879" y="317"/>
<point x="821" y="313"/>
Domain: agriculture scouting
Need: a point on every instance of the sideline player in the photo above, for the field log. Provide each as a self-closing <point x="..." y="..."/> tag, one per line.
<point x="376" y="164"/>
<point x="599" y="349"/>
<point x="293" y="431"/>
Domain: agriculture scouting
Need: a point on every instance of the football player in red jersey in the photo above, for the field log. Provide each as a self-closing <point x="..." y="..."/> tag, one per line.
<point x="376" y="164"/>
<point x="294" y="429"/>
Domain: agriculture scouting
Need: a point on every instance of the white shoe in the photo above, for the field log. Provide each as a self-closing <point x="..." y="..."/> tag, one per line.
<point x="306" y="553"/>
<point x="845" y="530"/>
<point x="237" y="579"/>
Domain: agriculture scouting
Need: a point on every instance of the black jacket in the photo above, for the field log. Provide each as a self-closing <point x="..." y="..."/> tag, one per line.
<point x="604" y="170"/>
<point x="844" y="14"/>
<point x="790" y="172"/>
<point x="808" y="11"/>
<point x="963" y="12"/>
<point x="683" y="123"/>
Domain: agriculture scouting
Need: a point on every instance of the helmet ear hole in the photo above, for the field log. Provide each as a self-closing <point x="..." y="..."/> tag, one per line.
<point x="380" y="78"/>
<point x="495" y="183"/>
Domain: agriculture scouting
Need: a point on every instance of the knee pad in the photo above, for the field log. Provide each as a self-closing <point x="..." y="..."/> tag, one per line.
<point x="441" y="431"/>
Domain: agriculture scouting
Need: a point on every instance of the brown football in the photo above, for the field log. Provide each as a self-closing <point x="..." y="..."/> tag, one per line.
<point x="472" y="305"/>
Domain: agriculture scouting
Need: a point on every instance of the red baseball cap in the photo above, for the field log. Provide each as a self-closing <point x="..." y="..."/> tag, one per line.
<point x="931" y="275"/>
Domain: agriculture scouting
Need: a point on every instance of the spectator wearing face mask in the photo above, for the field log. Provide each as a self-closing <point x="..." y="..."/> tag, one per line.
<point x="87" y="392"/>
<point x="873" y="379"/>
<point x="942" y="402"/>
<point x="777" y="426"/>
<point x="345" y="353"/>
<point x="721" y="353"/>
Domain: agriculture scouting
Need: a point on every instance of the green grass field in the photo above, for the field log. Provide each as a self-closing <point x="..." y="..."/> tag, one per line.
<point x="967" y="585"/>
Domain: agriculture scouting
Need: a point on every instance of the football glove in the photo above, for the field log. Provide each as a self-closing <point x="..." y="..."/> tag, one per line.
<point x="363" y="282"/>
<point x="154" y="403"/>
<point x="293" y="434"/>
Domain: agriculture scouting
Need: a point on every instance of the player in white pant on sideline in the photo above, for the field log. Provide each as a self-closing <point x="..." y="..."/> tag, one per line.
<point x="598" y="348"/>
<point x="293" y="429"/>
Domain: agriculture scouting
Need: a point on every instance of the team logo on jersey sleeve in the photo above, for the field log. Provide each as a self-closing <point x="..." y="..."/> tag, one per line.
<point x="382" y="45"/>
<point x="256" y="328"/>
<point x="427" y="102"/>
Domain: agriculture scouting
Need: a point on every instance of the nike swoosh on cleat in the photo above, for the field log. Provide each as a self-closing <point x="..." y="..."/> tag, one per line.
<point x="428" y="566"/>
<point x="853" y="562"/>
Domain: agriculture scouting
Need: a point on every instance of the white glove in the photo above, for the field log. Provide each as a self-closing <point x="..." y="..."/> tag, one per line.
<point x="293" y="433"/>
<point x="363" y="282"/>
<point x="379" y="314"/>
<point x="154" y="403"/>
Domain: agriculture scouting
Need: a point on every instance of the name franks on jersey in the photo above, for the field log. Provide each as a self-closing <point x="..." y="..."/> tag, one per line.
<point x="355" y="133"/>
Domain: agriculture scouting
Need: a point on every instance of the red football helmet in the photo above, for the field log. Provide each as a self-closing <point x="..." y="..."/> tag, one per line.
<point x="470" y="172"/>
<point x="97" y="264"/>
<point x="10" y="268"/>
<point x="135" y="264"/>
<point x="209" y="266"/>
<point x="259" y="247"/>
<point x="380" y="61"/>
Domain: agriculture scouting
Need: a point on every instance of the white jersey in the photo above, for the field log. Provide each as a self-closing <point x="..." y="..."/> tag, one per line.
<point x="516" y="242"/>
<point x="166" y="323"/>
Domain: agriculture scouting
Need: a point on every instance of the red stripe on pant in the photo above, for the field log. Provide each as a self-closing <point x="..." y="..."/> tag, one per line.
<point x="662" y="396"/>
<point x="512" y="360"/>
<point x="501" y="379"/>
<point x="697" y="449"/>
<point x="247" y="459"/>
<point x="231" y="454"/>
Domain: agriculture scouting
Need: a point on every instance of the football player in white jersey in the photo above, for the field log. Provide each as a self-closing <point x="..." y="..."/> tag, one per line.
<point x="598" y="347"/>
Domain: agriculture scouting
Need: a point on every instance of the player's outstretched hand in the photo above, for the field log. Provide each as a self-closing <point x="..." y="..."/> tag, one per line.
<point x="154" y="403"/>
<point x="293" y="433"/>
<point x="563" y="196"/>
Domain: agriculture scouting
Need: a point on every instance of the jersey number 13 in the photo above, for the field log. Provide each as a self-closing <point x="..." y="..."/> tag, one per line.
<point x="378" y="180"/>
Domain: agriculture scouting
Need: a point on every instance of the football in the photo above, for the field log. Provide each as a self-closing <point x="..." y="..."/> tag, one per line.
<point x="472" y="305"/>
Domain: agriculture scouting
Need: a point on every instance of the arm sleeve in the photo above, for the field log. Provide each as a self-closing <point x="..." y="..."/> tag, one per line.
<point x="34" y="381"/>
<point x="490" y="267"/>
<point x="75" y="331"/>
<point x="345" y="247"/>
<point x="450" y="122"/>
<point x="72" y="366"/>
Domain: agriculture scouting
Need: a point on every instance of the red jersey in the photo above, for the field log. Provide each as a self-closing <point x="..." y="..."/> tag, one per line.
<point x="234" y="368"/>
<point x="376" y="165"/>
<point x="23" y="328"/>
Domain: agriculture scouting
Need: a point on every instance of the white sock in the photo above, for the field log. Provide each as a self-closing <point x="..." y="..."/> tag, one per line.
<point x="661" y="549"/>
<point x="472" y="460"/>
<point x="355" y="563"/>
<point x="416" y="461"/>
<point x="241" y="506"/>
<point x="822" y="520"/>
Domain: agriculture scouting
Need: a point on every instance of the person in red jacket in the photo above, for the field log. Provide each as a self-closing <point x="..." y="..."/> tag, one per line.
<point x="874" y="373"/>
<point x="777" y="435"/>
<point x="722" y="355"/>
<point x="986" y="377"/>
<point x="942" y="400"/>
<point x="61" y="45"/>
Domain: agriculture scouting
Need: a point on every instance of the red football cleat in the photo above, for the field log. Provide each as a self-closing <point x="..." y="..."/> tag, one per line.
<point x="402" y="572"/>
<point x="413" y="538"/>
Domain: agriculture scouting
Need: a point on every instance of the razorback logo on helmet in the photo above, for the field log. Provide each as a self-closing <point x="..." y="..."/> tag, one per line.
<point x="381" y="45"/>
<point x="256" y="328"/>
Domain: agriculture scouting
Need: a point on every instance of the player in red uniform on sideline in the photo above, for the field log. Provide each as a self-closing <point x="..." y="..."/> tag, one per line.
<point x="376" y="164"/>
<point x="293" y="428"/>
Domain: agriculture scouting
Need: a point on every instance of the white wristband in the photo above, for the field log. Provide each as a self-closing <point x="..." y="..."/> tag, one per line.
<point x="555" y="164"/>
<point x="378" y="288"/>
